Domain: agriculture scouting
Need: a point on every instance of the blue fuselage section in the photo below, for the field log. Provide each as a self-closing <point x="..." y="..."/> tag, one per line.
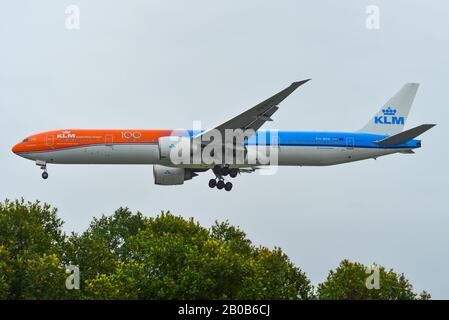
<point x="325" y="139"/>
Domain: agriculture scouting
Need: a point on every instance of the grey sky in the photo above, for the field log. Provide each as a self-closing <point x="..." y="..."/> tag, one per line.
<point x="163" y="64"/>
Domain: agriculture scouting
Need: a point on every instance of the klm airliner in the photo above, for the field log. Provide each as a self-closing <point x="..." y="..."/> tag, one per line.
<point x="233" y="147"/>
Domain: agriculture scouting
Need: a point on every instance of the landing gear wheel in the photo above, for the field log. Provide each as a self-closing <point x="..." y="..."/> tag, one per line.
<point x="44" y="175"/>
<point x="212" y="183"/>
<point x="220" y="184"/>
<point x="228" y="186"/>
<point x="233" y="173"/>
<point x="225" y="171"/>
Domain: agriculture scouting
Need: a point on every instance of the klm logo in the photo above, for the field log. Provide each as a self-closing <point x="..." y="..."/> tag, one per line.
<point x="66" y="135"/>
<point x="389" y="117"/>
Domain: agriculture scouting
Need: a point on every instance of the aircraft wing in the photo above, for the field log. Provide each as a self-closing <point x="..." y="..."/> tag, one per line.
<point x="255" y="117"/>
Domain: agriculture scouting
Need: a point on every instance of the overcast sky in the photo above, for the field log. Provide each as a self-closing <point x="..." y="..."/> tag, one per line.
<point x="163" y="64"/>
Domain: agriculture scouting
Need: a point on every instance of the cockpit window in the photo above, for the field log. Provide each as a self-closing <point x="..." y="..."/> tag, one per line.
<point x="25" y="140"/>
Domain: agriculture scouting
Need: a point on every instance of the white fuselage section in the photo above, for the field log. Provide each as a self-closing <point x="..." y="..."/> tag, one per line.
<point x="149" y="154"/>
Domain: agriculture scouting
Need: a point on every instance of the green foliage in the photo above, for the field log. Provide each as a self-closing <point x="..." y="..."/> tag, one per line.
<point x="348" y="281"/>
<point x="123" y="283"/>
<point x="30" y="242"/>
<point x="129" y="256"/>
<point x="100" y="248"/>
<point x="273" y="276"/>
<point x="174" y="258"/>
<point x="43" y="278"/>
<point x="232" y="237"/>
<point x="5" y="272"/>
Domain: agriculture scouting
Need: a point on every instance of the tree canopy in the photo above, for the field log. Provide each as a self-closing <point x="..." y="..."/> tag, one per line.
<point x="130" y="256"/>
<point x="354" y="281"/>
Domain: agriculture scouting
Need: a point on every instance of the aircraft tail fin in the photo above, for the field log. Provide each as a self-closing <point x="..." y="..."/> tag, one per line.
<point x="405" y="135"/>
<point x="391" y="117"/>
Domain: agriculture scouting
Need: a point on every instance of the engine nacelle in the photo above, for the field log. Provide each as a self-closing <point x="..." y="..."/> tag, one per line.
<point x="169" y="176"/>
<point x="178" y="150"/>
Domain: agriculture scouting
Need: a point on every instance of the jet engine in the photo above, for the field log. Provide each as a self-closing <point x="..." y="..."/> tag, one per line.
<point x="177" y="149"/>
<point x="169" y="176"/>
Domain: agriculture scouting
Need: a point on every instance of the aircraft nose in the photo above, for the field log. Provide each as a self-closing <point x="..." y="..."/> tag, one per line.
<point x="16" y="148"/>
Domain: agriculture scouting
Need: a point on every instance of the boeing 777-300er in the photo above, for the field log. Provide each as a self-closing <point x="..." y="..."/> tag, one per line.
<point x="382" y="135"/>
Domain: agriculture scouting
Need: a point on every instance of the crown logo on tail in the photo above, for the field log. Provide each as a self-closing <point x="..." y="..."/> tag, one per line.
<point x="389" y="112"/>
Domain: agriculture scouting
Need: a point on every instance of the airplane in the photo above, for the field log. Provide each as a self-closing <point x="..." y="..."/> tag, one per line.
<point x="382" y="135"/>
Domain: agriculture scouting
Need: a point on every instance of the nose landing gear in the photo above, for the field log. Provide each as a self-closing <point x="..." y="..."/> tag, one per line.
<point x="43" y="166"/>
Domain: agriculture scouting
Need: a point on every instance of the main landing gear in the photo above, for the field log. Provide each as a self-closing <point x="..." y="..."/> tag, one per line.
<point x="220" y="184"/>
<point x="43" y="166"/>
<point x="220" y="172"/>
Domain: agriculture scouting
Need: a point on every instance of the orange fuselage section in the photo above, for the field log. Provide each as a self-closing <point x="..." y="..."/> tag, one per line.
<point x="61" y="139"/>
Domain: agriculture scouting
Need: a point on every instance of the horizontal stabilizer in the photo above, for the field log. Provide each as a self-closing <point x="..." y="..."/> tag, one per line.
<point x="407" y="151"/>
<point x="406" y="135"/>
<point x="249" y="170"/>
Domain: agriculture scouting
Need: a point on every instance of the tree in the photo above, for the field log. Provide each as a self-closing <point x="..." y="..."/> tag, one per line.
<point x="43" y="278"/>
<point x="124" y="283"/>
<point x="273" y="276"/>
<point x="354" y="281"/>
<point x="103" y="245"/>
<point x="30" y="243"/>
<point x="130" y="256"/>
<point x="5" y="272"/>
<point x="174" y="258"/>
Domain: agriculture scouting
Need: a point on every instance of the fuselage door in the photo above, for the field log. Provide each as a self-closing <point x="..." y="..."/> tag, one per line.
<point x="109" y="140"/>
<point x="50" y="141"/>
<point x="350" y="143"/>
